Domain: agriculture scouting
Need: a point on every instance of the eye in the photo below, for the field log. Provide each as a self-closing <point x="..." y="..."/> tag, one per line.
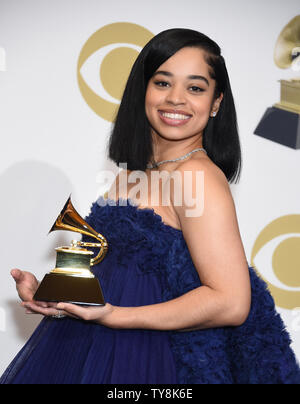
<point x="161" y="83"/>
<point x="196" y="89"/>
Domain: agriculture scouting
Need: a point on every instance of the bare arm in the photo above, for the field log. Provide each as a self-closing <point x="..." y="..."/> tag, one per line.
<point x="217" y="252"/>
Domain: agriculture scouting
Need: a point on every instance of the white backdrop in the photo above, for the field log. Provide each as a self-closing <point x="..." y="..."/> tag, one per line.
<point x="53" y="143"/>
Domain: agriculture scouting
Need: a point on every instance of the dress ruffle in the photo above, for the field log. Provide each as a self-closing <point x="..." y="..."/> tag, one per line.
<point x="149" y="262"/>
<point x="138" y="235"/>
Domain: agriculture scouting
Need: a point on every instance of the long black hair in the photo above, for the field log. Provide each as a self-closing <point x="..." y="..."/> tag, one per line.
<point x="131" y="142"/>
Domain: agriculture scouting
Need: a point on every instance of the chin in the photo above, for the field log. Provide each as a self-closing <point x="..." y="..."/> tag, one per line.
<point x="176" y="135"/>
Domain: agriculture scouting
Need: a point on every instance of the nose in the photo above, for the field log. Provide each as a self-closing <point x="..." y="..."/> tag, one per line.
<point x="175" y="95"/>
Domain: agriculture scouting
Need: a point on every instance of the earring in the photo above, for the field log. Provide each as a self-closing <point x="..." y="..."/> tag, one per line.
<point x="214" y="114"/>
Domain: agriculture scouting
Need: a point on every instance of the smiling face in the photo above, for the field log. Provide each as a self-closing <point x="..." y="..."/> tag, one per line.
<point x="180" y="96"/>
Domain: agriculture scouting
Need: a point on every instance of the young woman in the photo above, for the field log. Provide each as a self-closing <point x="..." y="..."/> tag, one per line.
<point x="183" y="305"/>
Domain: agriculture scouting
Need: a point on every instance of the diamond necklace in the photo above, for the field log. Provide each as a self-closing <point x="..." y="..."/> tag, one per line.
<point x="155" y="165"/>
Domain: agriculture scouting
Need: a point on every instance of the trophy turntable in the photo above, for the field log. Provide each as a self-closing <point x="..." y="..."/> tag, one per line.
<point x="281" y="123"/>
<point x="72" y="280"/>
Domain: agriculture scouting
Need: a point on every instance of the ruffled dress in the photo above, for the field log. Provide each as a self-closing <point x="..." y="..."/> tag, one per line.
<point x="148" y="262"/>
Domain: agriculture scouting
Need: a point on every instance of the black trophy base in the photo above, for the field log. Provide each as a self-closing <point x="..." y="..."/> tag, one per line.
<point x="280" y="126"/>
<point x="70" y="289"/>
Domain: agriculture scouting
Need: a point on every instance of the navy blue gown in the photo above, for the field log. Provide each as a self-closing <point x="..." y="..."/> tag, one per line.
<point x="148" y="262"/>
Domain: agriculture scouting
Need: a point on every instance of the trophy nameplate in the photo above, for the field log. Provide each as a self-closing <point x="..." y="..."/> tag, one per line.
<point x="72" y="280"/>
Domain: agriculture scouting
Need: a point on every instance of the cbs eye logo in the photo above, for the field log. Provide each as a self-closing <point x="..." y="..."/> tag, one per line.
<point x="104" y="65"/>
<point x="284" y="277"/>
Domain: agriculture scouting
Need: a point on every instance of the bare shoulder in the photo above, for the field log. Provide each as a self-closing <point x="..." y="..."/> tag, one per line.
<point x="214" y="182"/>
<point x="205" y="165"/>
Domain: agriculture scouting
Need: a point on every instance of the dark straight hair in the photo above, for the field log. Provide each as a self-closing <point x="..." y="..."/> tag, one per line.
<point x="131" y="142"/>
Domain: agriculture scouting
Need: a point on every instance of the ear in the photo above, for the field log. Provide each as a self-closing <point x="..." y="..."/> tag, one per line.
<point x="216" y="105"/>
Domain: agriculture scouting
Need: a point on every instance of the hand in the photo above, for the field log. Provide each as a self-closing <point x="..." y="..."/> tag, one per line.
<point x="101" y="315"/>
<point x="27" y="284"/>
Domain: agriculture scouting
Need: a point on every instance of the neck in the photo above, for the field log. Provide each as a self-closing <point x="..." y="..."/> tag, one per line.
<point x="166" y="150"/>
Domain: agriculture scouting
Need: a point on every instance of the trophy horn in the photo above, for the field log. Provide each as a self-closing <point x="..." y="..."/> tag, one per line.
<point x="69" y="219"/>
<point x="287" y="47"/>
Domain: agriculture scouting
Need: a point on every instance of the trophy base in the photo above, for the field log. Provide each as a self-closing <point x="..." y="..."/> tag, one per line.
<point x="280" y="126"/>
<point x="70" y="289"/>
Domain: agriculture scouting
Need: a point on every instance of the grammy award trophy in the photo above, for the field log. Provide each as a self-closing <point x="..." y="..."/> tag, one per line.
<point x="281" y="123"/>
<point x="72" y="280"/>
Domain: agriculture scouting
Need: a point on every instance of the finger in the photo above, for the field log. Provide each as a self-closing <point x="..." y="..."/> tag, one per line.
<point x="33" y="308"/>
<point x="52" y="304"/>
<point x="74" y="310"/>
<point x="39" y="310"/>
<point x="26" y="307"/>
<point x="42" y="304"/>
<point x="16" y="274"/>
<point x="45" y="305"/>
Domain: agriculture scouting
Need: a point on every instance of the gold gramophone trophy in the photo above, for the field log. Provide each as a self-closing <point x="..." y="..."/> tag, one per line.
<point x="72" y="281"/>
<point x="281" y="123"/>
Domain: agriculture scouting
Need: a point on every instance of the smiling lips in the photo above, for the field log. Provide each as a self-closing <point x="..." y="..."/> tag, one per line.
<point x="174" y="118"/>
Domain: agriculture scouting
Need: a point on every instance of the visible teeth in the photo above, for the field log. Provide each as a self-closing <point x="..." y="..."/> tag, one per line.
<point x="174" y="116"/>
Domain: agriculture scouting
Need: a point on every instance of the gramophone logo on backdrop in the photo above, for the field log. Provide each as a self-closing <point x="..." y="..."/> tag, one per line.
<point x="284" y="281"/>
<point x="114" y="48"/>
<point x="281" y="123"/>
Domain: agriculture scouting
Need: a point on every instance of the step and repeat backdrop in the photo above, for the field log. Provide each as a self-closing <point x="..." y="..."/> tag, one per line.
<point x="63" y="65"/>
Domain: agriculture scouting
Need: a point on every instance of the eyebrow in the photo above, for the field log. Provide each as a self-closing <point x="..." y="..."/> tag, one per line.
<point x="191" y="77"/>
